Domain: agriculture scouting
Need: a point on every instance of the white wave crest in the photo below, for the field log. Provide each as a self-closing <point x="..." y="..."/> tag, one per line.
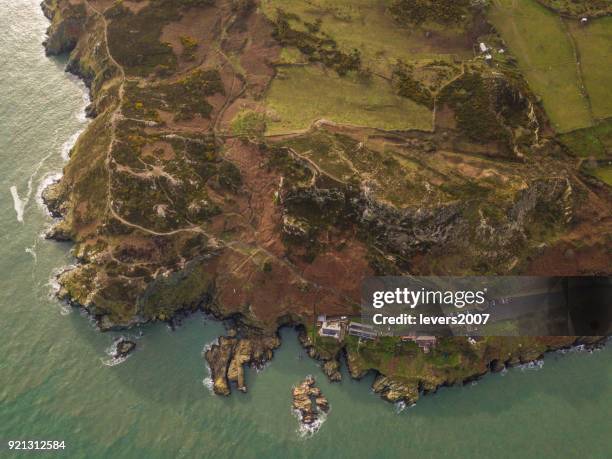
<point x="309" y="430"/>
<point x="535" y="365"/>
<point x="208" y="381"/>
<point x="32" y="251"/>
<point x="48" y="179"/>
<point x="400" y="406"/>
<point x="69" y="144"/>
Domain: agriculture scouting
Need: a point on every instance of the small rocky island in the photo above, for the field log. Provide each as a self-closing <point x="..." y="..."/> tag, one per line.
<point x="123" y="347"/>
<point x="309" y="403"/>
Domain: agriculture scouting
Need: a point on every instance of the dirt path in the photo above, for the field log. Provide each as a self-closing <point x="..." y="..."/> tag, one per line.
<point x="214" y="243"/>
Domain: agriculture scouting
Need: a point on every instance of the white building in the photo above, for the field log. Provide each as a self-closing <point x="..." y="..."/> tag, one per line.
<point x="331" y="330"/>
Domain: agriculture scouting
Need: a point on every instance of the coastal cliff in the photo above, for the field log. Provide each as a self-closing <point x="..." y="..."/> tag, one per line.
<point x="177" y="199"/>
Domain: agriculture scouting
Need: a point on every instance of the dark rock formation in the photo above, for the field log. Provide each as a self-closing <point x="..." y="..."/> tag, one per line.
<point x="308" y="401"/>
<point x="123" y="348"/>
<point x="332" y="369"/>
<point x="228" y="358"/>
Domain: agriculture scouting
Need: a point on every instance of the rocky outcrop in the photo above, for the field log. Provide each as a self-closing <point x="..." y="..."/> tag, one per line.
<point x="123" y="348"/>
<point x="308" y="401"/>
<point x="394" y="390"/>
<point x="54" y="199"/>
<point x="329" y="358"/>
<point x="230" y="355"/>
<point x="331" y="368"/>
<point x="60" y="232"/>
<point x="67" y="25"/>
<point x="218" y="358"/>
<point x="404" y="232"/>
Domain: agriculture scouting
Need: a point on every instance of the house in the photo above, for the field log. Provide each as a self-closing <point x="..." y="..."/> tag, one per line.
<point x="331" y="330"/>
<point x="362" y="331"/>
<point x="424" y="342"/>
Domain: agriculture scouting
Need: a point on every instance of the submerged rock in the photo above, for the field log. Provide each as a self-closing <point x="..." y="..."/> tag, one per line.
<point x="123" y="348"/>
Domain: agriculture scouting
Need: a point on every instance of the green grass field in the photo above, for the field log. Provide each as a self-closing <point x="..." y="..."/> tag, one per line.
<point x="594" y="44"/>
<point x="539" y="40"/>
<point x="367" y="26"/>
<point x="301" y="95"/>
<point x="604" y="174"/>
<point x="594" y="142"/>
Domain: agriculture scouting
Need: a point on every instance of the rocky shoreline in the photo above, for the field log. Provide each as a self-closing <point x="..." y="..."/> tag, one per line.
<point x="253" y="346"/>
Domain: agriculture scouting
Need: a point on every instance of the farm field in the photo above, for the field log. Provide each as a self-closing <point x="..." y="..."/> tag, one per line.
<point x="366" y="25"/>
<point x="604" y="174"/>
<point x="594" y="43"/>
<point x="538" y="38"/>
<point x="301" y="95"/>
<point x="593" y="142"/>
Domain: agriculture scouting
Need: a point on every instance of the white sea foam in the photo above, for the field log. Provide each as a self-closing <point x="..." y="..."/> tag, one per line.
<point x="32" y="251"/>
<point x="535" y="365"/>
<point x="309" y="430"/>
<point x="54" y="288"/>
<point x="262" y="367"/>
<point x="80" y="115"/>
<point x="18" y="203"/>
<point x="401" y="406"/>
<point x="208" y="382"/>
<point x="47" y="180"/>
<point x="111" y="351"/>
<point x="69" y="144"/>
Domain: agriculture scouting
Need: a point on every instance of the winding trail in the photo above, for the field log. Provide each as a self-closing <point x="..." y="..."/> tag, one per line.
<point x="116" y="116"/>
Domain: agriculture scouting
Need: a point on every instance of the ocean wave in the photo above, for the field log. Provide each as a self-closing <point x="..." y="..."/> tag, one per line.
<point x="48" y="179"/>
<point x="400" y="406"/>
<point x="32" y="251"/>
<point x="309" y="430"/>
<point x="81" y="115"/>
<point x="69" y="144"/>
<point x="18" y="203"/>
<point x="208" y="381"/>
<point x="535" y="365"/>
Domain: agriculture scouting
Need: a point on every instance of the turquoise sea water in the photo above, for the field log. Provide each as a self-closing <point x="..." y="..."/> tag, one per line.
<point x="56" y="384"/>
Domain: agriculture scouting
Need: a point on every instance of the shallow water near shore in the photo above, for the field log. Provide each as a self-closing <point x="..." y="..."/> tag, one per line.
<point x="57" y="381"/>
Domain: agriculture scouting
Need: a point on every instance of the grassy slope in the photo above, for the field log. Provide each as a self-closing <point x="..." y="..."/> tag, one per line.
<point x="594" y="142"/>
<point x="538" y="39"/>
<point x="604" y="174"/>
<point x="305" y="94"/>
<point x="366" y="25"/>
<point x="595" y="46"/>
<point x="302" y="95"/>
